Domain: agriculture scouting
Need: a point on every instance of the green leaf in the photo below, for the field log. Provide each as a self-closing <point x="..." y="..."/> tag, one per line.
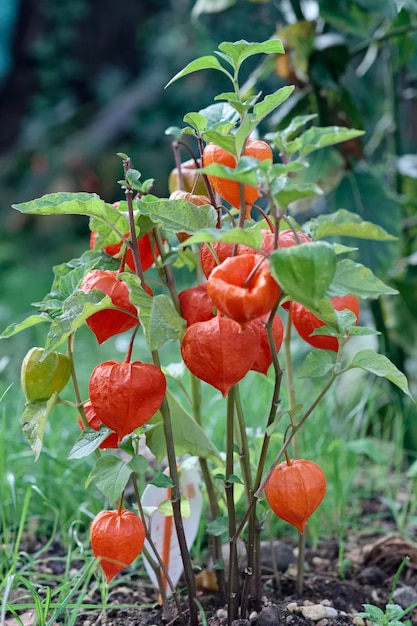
<point x="362" y="331"/>
<point x="363" y="193"/>
<point x="320" y="137"/>
<point x="381" y="366"/>
<point x="285" y="191"/>
<point x="227" y="142"/>
<point x="197" y="121"/>
<point x="189" y="437"/>
<point x="347" y="224"/>
<point x="111" y="475"/>
<point x="88" y="442"/>
<point x="271" y="102"/>
<point x="165" y="508"/>
<point x="305" y="272"/>
<point x="66" y="203"/>
<point x="317" y="363"/>
<point x="250" y="236"/>
<point x="238" y="51"/>
<point x="245" y="171"/>
<point x="208" y="62"/>
<point x="234" y="478"/>
<point x="358" y="280"/>
<point x="220" y="114"/>
<point x="30" y="321"/>
<point x="217" y="527"/>
<point x="179" y="215"/>
<point x="34" y="419"/>
<point x="162" y="480"/>
<point x="76" y="309"/>
<point x="158" y="316"/>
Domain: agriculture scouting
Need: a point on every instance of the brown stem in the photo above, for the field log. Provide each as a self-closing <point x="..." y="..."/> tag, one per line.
<point x="176" y="504"/>
<point x="133" y="243"/>
<point x="233" y="590"/>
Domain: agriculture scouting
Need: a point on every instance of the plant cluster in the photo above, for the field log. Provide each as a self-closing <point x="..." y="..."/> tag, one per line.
<point x="257" y="274"/>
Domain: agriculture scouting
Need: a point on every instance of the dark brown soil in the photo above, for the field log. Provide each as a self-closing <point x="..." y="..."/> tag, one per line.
<point x="338" y="582"/>
<point x="370" y="566"/>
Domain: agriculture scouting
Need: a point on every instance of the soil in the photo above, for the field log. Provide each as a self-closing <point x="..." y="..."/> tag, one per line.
<point x="337" y="585"/>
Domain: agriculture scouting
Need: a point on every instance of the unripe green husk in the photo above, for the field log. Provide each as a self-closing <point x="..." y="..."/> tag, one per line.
<point x="42" y="377"/>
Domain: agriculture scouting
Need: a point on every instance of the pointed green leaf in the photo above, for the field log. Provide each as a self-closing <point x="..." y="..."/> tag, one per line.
<point x="218" y="526"/>
<point x="227" y="142"/>
<point x="317" y="363"/>
<point x="111" y="475"/>
<point x="66" y="203"/>
<point x="271" y="102"/>
<point x="208" y="62"/>
<point x="30" y="321"/>
<point x="344" y="223"/>
<point x="358" y="280"/>
<point x="238" y="51"/>
<point x="34" y="419"/>
<point x="196" y="120"/>
<point x="363" y="192"/>
<point x="245" y="171"/>
<point x="362" y="331"/>
<point x="76" y="309"/>
<point x="380" y="365"/>
<point x="179" y="215"/>
<point x="285" y="191"/>
<point x="316" y="137"/>
<point x="165" y="508"/>
<point x="189" y="437"/>
<point x="162" y="480"/>
<point x="305" y="271"/>
<point x="157" y="314"/>
<point x="88" y="441"/>
<point x="220" y="114"/>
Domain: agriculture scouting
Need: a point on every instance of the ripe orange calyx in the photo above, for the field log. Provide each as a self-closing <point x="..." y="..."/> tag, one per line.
<point x="305" y="322"/>
<point x="229" y="190"/>
<point x="117" y="538"/>
<point x="294" y="491"/>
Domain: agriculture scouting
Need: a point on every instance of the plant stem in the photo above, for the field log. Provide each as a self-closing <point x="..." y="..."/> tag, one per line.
<point x="158" y="566"/>
<point x="233" y="590"/>
<point x="296" y="447"/>
<point x="216" y="542"/>
<point x="176" y="504"/>
<point x="77" y="392"/>
<point x="133" y="244"/>
<point x="258" y="492"/>
<point x="247" y="480"/>
<point x="166" y="273"/>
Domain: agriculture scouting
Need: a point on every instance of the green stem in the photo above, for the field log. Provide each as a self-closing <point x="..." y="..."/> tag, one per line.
<point x="166" y="273"/>
<point x="176" y="504"/>
<point x="247" y="480"/>
<point x="216" y="542"/>
<point x="77" y="392"/>
<point x="133" y="244"/>
<point x="259" y="489"/>
<point x="233" y="591"/>
<point x="296" y="443"/>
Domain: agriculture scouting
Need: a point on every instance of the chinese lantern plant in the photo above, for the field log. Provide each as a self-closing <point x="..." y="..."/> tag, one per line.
<point x="117" y="539"/>
<point x="226" y="324"/>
